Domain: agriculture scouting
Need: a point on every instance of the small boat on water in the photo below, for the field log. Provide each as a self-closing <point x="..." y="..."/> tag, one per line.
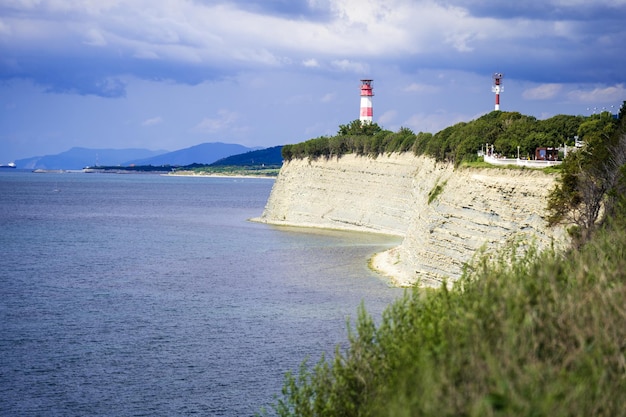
<point x="9" y="165"/>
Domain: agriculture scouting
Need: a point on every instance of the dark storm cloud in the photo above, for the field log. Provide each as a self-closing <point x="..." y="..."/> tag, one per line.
<point x="98" y="72"/>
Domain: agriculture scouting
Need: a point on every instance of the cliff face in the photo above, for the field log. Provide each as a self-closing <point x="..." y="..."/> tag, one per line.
<point x="445" y="215"/>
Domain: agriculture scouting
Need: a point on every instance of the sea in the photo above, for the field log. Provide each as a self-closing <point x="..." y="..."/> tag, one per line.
<point x="151" y="295"/>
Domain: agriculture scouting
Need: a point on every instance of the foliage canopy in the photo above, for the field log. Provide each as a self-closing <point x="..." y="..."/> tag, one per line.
<point x="457" y="143"/>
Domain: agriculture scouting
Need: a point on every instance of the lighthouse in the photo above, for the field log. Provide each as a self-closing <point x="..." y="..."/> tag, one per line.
<point x="367" y="113"/>
<point x="497" y="88"/>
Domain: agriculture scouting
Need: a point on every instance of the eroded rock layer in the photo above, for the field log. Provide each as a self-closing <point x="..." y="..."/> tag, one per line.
<point x="444" y="214"/>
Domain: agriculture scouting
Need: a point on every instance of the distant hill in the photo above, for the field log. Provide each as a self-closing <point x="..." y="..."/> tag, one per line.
<point x="205" y="153"/>
<point x="78" y="158"/>
<point x="268" y="157"/>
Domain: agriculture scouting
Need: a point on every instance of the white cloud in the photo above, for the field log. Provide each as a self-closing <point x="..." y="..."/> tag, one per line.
<point x="153" y="121"/>
<point x="350" y="66"/>
<point x="434" y="122"/>
<point x="542" y="92"/>
<point x="94" y="37"/>
<point x="461" y="41"/>
<point x="614" y="93"/>
<point x="310" y="63"/>
<point x="387" y="117"/>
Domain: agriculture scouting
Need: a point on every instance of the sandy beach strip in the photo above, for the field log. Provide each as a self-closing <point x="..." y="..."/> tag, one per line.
<point x="237" y="176"/>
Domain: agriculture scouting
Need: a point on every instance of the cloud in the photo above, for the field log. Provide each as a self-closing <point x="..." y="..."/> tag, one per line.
<point x="548" y="42"/>
<point x="434" y="122"/>
<point x="311" y="63"/>
<point x="152" y="122"/>
<point x="350" y="66"/>
<point x="83" y="84"/>
<point x="548" y="9"/>
<point x="614" y="93"/>
<point x="387" y="117"/>
<point x="94" y="37"/>
<point x="327" y="98"/>
<point x="224" y="120"/>
<point x="542" y="92"/>
<point x="461" y="41"/>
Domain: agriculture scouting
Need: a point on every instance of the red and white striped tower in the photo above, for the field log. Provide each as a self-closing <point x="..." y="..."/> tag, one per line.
<point x="367" y="112"/>
<point x="497" y="88"/>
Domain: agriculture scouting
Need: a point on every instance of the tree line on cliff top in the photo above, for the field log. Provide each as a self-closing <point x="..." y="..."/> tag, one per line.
<point x="532" y="334"/>
<point x="457" y="143"/>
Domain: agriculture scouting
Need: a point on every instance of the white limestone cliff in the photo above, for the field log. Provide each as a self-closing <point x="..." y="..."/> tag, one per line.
<point x="444" y="214"/>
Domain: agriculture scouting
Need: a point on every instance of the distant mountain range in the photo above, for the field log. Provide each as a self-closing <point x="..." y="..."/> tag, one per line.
<point x="78" y="158"/>
<point x="205" y="153"/>
<point x="268" y="156"/>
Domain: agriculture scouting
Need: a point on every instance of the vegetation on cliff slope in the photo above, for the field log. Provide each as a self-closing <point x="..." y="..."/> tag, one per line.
<point x="538" y="334"/>
<point x="544" y="335"/>
<point x="457" y="143"/>
<point x="592" y="180"/>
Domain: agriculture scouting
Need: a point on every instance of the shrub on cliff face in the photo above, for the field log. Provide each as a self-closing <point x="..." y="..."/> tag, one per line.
<point x="540" y="335"/>
<point x="592" y="181"/>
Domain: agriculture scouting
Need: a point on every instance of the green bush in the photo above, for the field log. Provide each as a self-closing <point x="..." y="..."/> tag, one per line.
<point x="434" y="193"/>
<point x="518" y="335"/>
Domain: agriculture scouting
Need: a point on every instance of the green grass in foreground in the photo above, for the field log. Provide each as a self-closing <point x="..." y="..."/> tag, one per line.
<point x="533" y="335"/>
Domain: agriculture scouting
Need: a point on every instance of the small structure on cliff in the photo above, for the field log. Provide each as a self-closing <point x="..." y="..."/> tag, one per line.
<point x="367" y="112"/>
<point x="546" y="154"/>
<point x="544" y="157"/>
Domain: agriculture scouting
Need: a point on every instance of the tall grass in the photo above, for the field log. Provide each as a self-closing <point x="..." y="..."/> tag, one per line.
<point x="517" y="335"/>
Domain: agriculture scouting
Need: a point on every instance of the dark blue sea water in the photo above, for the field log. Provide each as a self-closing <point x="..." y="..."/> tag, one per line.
<point x="144" y="295"/>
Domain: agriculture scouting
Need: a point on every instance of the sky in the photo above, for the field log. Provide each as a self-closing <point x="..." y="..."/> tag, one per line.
<point x="169" y="74"/>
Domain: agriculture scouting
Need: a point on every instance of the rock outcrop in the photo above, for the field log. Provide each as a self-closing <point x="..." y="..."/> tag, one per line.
<point x="444" y="214"/>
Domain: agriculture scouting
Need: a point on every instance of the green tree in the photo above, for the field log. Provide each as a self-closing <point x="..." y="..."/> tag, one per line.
<point x="592" y="178"/>
<point x="561" y="128"/>
<point x="356" y="127"/>
<point x="400" y="141"/>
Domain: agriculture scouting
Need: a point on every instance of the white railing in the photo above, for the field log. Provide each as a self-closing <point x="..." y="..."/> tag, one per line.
<point x="530" y="163"/>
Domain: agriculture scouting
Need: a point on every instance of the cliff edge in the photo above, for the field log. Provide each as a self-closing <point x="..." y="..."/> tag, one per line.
<point x="445" y="215"/>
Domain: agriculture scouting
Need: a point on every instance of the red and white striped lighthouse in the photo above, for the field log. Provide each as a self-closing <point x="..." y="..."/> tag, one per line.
<point x="367" y="112"/>
<point x="497" y="88"/>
